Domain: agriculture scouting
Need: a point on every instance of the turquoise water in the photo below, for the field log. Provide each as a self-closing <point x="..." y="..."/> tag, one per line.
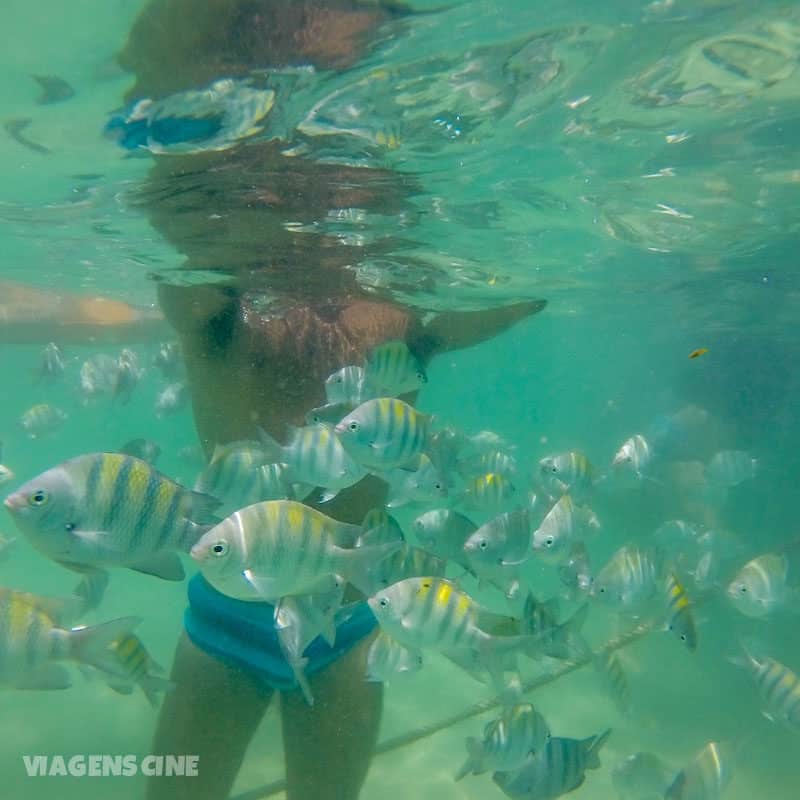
<point x="635" y="165"/>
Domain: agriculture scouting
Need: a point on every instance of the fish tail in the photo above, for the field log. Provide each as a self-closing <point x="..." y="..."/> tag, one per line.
<point x="593" y="753"/>
<point x="299" y="670"/>
<point x="153" y="686"/>
<point x="473" y="762"/>
<point x="92" y="645"/>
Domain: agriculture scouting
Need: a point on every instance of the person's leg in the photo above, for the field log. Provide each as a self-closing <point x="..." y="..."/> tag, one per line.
<point x="212" y="712"/>
<point x="328" y="746"/>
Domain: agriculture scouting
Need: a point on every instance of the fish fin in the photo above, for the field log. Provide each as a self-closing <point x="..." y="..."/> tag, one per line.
<point x="192" y="533"/>
<point x="163" y="565"/>
<point x="262" y="585"/>
<point x="360" y="562"/>
<point x="153" y="686"/>
<point x="199" y="507"/>
<point x="91" y="589"/>
<point x="47" y="676"/>
<point x="298" y="668"/>
<point x="474" y="758"/>
<point x="327" y="495"/>
<point x="593" y="752"/>
<point x="272" y="450"/>
<point x="91" y="645"/>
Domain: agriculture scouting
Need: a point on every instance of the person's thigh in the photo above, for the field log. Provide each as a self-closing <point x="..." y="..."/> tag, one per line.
<point x="328" y="746"/>
<point x="212" y="712"/>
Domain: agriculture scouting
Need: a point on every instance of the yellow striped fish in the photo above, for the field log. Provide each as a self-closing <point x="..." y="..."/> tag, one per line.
<point x="32" y="641"/>
<point x="387" y="658"/>
<point x="567" y="472"/>
<point x="488" y="492"/>
<point x="778" y="686"/>
<point x="680" y="619"/>
<point x="111" y="509"/>
<point x="281" y="547"/>
<point x="391" y="369"/>
<point x="136" y="664"/>
<point x="384" y="433"/>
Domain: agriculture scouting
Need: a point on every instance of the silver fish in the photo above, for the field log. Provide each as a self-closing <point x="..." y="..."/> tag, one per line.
<point x="551" y="638"/>
<point x="729" y="468"/>
<point x="559" y="768"/>
<point x="425" y="484"/>
<point x="172" y="399"/>
<point x="384" y="433"/>
<point x="127" y="376"/>
<point x="576" y="573"/>
<point x="139" y="669"/>
<point x="387" y="658"/>
<point x="51" y="363"/>
<point x="641" y="776"/>
<point x="109" y="509"/>
<point x="777" y="684"/>
<point x="443" y="532"/>
<point x="488" y="492"/>
<point x="567" y="472"/>
<point x="169" y="361"/>
<point x="760" y="587"/>
<point x="98" y="377"/>
<point x="42" y="419"/>
<point x="281" y="547"/>
<point x="704" y="778"/>
<point x="509" y="742"/>
<point x="629" y="579"/>
<point x="609" y="667"/>
<point x="345" y="387"/>
<point x="406" y="562"/>
<point x="563" y="526"/>
<point x="633" y="459"/>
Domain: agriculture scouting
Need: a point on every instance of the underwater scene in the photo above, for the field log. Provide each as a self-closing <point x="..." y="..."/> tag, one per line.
<point x="400" y="399"/>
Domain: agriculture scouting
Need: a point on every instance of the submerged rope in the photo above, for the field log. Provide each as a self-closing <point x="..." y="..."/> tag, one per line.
<point x="405" y="739"/>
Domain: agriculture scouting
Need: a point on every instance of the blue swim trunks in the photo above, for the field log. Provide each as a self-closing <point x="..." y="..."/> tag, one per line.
<point x="243" y="634"/>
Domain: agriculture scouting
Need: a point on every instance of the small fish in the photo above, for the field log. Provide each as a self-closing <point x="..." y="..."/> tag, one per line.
<point x="42" y="419"/>
<point x="680" y="619"/>
<point x="300" y="619"/>
<point x="315" y="456"/>
<point x="704" y="778"/>
<point x="391" y="369"/>
<point x="98" y="377"/>
<point x="488" y="492"/>
<point x="139" y="669"/>
<point x="629" y="579"/>
<point x="496" y="461"/>
<point x="559" y="768"/>
<point x="567" y="472"/>
<point x="171" y="399"/>
<point x="281" y="547"/>
<point x="15" y="128"/>
<point x="345" y="387"/>
<point x="760" y="587"/>
<point x="700" y="351"/>
<point x="32" y="642"/>
<point x="424" y="484"/>
<point x="329" y="414"/>
<point x="169" y="360"/>
<point x="641" y="776"/>
<point x="576" y="573"/>
<point x="729" y="468"/>
<point x="384" y="433"/>
<point x="499" y="546"/>
<point x="387" y="658"/>
<point x="54" y="89"/>
<point x="777" y="684"/>
<point x="379" y="528"/>
<point x="145" y="449"/>
<point x="406" y="562"/>
<point x="127" y="376"/>
<point x="432" y="612"/>
<point x="110" y="509"/>
<point x="509" y="742"/>
<point x="634" y="458"/>
<point x="609" y="667"/>
<point x="233" y="474"/>
<point x="51" y="363"/>
<point x="443" y="532"/>
<point x="565" y="524"/>
<point x="551" y="639"/>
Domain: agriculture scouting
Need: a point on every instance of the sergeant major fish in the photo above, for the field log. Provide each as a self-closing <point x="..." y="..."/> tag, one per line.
<point x="387" y="658"/>
<point x="391" y="369"/>
<point x="109" y="509"/>
<point x="42" y="419"/>
<point x="139" y="669"/>
<point x="760" y="587"/>
<point x="443" y="532"/>
<point x="777" y="684"/>
<point x="564" y="525"/>
<point x="567" y="472"/>
<point x="704" y="778"/>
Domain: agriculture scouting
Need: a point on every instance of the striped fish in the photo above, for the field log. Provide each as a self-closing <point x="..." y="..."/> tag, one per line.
<point x="387" y="658"/>
<point x="567" y="472"/>
<point x="488" y="492"/>
<point x="42" y="419"/>
<point x="509" y="742"/>
<point x="111" y="509"/>
<point x="391" y="369"/>
<point x="680" y="619"/>
<point x="760" y="587"/>
<point x="316" y="457"/>
<point x="705" y="778"/>
<point x="281" y="547"/>
<point x="629" y="579"/>
<point x="346" y="385"/>
<point x="443" y="532"/>
<point x="406" y="562"/>
<point x="424" y="484"/>
<point x="633" y="458"/>
<point x="564" y="525"/>
<point x="496" y="461"/>
<point x="432" y="612"/>
<point x="778" y="686"/>
<point x="32" y="641"/>
<point x="384" y="433"/>
<point x="610" y="669"/>
<point x="559" y="768"/>
<point x="135" y="662"/>
<point x="554" y="639"/>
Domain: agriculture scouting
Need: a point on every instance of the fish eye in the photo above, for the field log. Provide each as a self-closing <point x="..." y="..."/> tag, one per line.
<point x="743" y="589"/>
<point x="69" y="527"/>
<point x="422" y="376"/>
<point x="549" y="541"/>
<point x="483" y="544"/>
<point x="554" y="469"/>
<point x="383" y="602"/>
<point x="220" y="548"/>
<point x="601" y="589"/>
<point x="437" y="486"/>
<point x="353" y="425"/>
<point x="39" y="497"/>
